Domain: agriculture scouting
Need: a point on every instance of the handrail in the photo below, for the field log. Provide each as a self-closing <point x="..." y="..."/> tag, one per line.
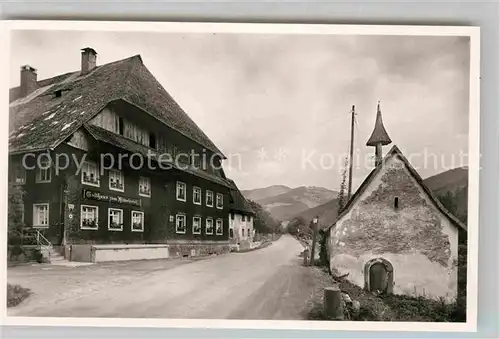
<point x="40" y="238"/>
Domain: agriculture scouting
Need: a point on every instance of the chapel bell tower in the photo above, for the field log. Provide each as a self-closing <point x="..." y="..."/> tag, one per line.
<point x="379" y="137"/>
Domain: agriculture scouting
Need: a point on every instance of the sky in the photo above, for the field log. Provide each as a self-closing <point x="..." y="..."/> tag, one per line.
<point x="278" y="106"/>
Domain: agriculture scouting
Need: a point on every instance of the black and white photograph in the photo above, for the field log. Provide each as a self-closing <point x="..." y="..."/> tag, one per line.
<point x="242" y="175"/>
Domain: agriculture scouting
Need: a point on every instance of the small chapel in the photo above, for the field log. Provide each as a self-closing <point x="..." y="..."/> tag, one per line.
<point x="393" y="235"/>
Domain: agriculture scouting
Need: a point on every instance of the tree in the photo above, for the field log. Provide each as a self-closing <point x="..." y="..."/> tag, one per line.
<point x="299" y="227"/>
<point x="342" y="198"/>
<point x="15" y="214"/>
<point x="456" y="203"/>
<point x="264" y="223"/>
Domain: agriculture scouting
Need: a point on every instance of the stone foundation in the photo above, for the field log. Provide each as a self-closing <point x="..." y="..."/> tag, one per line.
<point x="124" y="252"/>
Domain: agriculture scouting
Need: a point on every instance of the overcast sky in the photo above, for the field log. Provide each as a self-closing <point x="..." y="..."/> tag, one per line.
<point x="278" y="104"/>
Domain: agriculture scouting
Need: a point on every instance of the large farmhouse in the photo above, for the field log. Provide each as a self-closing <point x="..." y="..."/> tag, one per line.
<point x="113" y="168"/>
<point x="393" y="235"/>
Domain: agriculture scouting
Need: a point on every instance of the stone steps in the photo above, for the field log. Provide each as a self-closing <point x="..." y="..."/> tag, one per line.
<point x="57" y="258"/>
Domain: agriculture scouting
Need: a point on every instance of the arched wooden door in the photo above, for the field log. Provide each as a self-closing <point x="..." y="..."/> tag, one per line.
<point x="378" y="277"/>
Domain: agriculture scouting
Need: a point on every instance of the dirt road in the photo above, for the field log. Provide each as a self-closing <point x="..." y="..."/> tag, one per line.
<point x="269" y="283"/>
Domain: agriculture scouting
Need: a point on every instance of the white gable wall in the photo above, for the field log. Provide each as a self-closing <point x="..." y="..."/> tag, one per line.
<point x="242" y="230"/>
<point x="416" y="238"/>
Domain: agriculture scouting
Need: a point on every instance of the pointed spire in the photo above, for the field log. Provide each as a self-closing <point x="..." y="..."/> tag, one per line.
<point x="379" y="135"/>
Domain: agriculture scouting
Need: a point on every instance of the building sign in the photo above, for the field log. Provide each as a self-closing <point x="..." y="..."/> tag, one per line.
<point x="94" y="195"/>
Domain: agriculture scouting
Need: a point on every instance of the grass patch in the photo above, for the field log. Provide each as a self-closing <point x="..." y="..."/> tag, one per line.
<point x="385" y="307"/>
<point x="16" y="294"/>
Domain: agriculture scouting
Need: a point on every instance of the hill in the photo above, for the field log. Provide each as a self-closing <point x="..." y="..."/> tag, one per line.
<point x="450" y="187"/>
<point x="292" y="201"/>
<point x="449" y="181"/>
<point x="265" y="192"/>
<point x="326" y="213"/>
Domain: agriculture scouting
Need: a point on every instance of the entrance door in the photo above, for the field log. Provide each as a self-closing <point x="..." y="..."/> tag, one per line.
<point x="378" y="278"/>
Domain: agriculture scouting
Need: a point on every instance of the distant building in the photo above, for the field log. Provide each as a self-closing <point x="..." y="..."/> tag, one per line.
<point x="393" y="235"/>
<point x="241" y="219"/>
<point x="168" y="206"/>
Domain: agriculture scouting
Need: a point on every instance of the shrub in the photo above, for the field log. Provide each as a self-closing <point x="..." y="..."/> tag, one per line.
<point x="16" y="294"/>
<point x="37" y="256"/>
<point x="15" y="214"/>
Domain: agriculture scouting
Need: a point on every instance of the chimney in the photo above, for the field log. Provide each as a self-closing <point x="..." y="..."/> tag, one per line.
<point x="28" y="80"/>
<point x="89" y="58"/>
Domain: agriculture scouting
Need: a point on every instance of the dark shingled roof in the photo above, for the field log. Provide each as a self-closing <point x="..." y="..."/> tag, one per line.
<point x="42" y="121"/>
<point x="397" y="153"/>
<point x="119" y="141"/>
<point x="239" y="203"/>
<point x="379" y="135"/>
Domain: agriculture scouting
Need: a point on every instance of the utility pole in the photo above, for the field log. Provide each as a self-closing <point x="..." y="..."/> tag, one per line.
<point x="315" y="231"/>
<point x="351" y="153"/>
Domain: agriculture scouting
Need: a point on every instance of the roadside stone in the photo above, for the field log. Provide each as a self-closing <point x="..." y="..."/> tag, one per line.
<point x="347" y="299"/>
<point x="356" y="306"/>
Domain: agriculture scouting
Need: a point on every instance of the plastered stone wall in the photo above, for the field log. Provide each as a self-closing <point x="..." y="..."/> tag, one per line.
<point x="416" y="238"/>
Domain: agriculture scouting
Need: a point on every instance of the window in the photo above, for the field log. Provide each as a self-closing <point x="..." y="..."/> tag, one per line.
<point x="196" y="225"/>
<point x="137" y="221"/>
<point x="396" y="202"/>
<point x="180" y="224"/>
<point x="181" y="191"/>
<point x="116" y="181"/>
<point x="209" y="201"/>
<point x="242" y="232"/>
<point x="231" y="233"/>
<point x="219" y="227"/>
<point x="18" y="174"/>
<point x="220" y="198"/>
<point x="243" y="218"/>
<point x="209" y="226"/>
<point x="43" y="174"/>
<point x="115" y="219"/>
<point x="120" y="126"/>
<point x="41" y="215"/>
<point x="89" y="217"/>
<point x="90" y="174"/>
<point x="152" y="140"/>
<point x="144" y="187"/>
<point x="196" y="195"/>
<point x="232" y="216"/>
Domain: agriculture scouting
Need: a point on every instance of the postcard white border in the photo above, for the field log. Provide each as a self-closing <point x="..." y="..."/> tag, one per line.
<point x="191" y="27"/>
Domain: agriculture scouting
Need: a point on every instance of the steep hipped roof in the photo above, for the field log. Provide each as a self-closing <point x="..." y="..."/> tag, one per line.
<point x="379" y="135"/>
<point x="42" y="120"/>
<point x="395" y="152"/>
<point x="239" y="203"/>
